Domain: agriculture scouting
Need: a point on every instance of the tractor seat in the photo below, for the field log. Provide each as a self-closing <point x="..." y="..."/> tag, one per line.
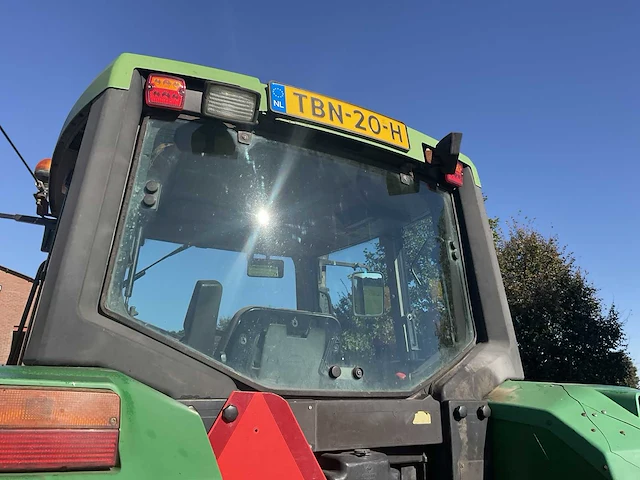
<point x="201" y="321"/>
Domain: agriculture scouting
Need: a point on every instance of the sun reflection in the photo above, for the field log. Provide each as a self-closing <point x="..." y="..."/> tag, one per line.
<point x="263" y="217"/>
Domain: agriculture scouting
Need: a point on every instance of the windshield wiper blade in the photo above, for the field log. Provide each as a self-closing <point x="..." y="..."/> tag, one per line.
<point x="142" y="272"/>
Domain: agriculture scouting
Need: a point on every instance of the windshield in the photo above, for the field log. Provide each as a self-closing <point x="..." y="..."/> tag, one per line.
<point x="252" y="253"/>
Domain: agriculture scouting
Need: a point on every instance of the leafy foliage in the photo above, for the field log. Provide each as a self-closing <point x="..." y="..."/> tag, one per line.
<point x="564" y="332"/>
<point x="425" y="252"/>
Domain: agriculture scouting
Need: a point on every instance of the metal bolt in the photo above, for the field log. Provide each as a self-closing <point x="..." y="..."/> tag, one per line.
<point x="594" y="414"/>
<point x="604" y="412"/>
<point x="606" y="467"/>
<point x="584" y="414"/>
<point x="484" y="412"/>
<point x="310" y="407"/>
<point x="405" y="178"/>
<point x="152" y="186"/>
<point x="149" y="200"/>
<point x="622" y="432"/>
<point x="593" y="429"/>
<point x="113" y="421"/>
<point x="361" y="452"/>
<point x="335" y="371"/>
<point x="358" y="373"/>
<point x="460" y="412"/>
<point x="244" y="137"/>
<point x="230" y="413"/>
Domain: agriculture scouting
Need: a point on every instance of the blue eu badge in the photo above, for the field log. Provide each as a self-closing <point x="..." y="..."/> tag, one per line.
<point x="277" y="97"/>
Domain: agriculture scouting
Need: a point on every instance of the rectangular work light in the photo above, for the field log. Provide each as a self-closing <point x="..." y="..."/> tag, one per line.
<point x="231" y="103"/>
<point x="50" y="429"/>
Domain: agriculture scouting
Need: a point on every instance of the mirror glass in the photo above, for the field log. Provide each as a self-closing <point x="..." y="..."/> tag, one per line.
<point x="368" y="294"/>
<point x="265" y="267"/>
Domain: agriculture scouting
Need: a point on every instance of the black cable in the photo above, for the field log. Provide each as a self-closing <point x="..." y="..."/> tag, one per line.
<point x="19" y="155"/>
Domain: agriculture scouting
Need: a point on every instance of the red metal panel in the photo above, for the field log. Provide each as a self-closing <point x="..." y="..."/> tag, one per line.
<point x="264" y="441"/>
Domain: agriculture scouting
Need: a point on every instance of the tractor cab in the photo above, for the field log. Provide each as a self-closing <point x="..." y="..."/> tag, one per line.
<point x="250" y="280"/>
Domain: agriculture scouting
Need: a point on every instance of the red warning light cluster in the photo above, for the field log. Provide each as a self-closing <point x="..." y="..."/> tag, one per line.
<point x="58" y="429"/>
<point x="456" y="178"/>
<point x="165" y="91"/>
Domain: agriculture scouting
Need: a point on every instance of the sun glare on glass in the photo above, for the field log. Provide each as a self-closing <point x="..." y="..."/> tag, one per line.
<point x="263" y="217"/>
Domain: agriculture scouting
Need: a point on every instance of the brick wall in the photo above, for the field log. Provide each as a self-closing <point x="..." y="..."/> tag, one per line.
<point x="14" y="291"/>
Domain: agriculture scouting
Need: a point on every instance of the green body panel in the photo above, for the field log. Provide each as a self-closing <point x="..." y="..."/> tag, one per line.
<point x="159" y="437"/>
<point x="553" y="431"/>
<point x="118" y="75"/>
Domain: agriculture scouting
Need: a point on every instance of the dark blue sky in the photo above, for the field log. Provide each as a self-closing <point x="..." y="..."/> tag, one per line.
<point x="546" y="93"/>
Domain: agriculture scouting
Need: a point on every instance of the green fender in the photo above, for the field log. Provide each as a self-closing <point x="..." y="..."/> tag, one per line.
<point x="564" y="431"/>
<point x="159" y="437"/>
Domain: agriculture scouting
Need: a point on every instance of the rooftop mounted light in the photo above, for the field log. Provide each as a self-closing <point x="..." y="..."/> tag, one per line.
<point x="231" y="103"/>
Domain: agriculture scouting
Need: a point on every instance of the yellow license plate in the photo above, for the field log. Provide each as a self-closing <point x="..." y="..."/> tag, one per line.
<point x="340" y="115"/>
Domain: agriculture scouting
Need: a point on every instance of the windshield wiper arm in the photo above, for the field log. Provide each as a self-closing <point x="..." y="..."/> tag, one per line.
<point x="415" y="275"/>
<point x="142" y="272"/>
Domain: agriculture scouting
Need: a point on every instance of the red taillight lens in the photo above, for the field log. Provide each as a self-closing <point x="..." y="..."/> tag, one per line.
<point x="32" y="450"/>
<point x="455" y="179"/>
<point x="165" y="91"/>
<point x="58" y="429"/>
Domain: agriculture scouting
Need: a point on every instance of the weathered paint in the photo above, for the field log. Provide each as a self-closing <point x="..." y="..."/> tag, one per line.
<point x="553" y="431"/>
<point x="118" y="76"/>
<point x="159" y="437"/>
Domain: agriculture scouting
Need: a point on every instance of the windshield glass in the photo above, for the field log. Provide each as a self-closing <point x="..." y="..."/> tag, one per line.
<point x="294" y="269"/>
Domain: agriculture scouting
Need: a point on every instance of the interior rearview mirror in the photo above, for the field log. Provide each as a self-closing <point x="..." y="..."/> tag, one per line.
<point x="368" y="294"/>
<point x="210" y="138"/>
<point x="401" y="184"/>
<point x="265" y="267"/>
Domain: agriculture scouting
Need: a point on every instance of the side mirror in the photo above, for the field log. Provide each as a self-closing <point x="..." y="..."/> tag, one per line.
<point x="368" y="294"/>
<point x="446" y="153"/>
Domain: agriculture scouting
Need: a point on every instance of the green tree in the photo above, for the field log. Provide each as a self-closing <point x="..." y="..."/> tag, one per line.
<point x="425" y="252"/>
<point x="564" y="332"/>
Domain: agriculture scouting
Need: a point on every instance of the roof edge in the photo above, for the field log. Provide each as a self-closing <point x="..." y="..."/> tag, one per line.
<point x="16" y="274"/>
<point x="118" y="75"/>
